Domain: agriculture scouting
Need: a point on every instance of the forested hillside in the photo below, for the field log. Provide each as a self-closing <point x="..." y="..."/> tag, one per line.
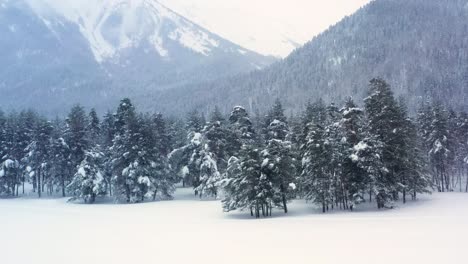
<point x="420" y="47"/>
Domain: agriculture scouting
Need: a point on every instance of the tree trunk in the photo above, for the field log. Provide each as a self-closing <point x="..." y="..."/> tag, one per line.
<point x="38" y="182"/>
<point x="63" y="185"/>
<point x="283" y="193"/>
<point x="404" y="195"/>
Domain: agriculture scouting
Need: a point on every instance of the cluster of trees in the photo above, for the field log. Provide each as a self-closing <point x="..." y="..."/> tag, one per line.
<point x="124" y="155"/>
<point x="335" y="157"/>
<point x="444" y="133"/>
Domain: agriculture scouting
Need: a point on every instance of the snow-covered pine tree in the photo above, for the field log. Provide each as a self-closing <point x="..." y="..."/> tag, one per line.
<point x="93" y="128"/>
<point x="454" y="147"/>
<point x="336" y="147"/>
<point x="385" y="123"/>
<point x="353" y="177"/>
<point x="367" y="154"/>
<point x="314" y="112"/>
<point x="108" y="131"/>
<point x="38" y="156"/>
<point x="315" y="179"/>
<point x="209" y="174"/>
<point x="75" y="135"/>
<point x="9" y="171"/>
<point x="13" y="151"/>
<point x="241" y="125"/>
<point x="186" y="160"/>
<point x="26" y="129"/>
<point x="156" y="144"/>
<point x="296" y="143"/>
<point x="215" y="152"/>
<point x="88" y="182"/>
<point x="125" y="150"/>
<point x="177" y="133"/>
<point x="244" y="184"/>
<point x="61" y="162"/>
<point x="424" y="121"/>
<point x="278" y="160"/>
<point x="412" y="178"/>
<point x="439" y="143"/>
<point x="245" y="187"/>
<point x="195" y="122"/>
<point x="416" y="175"/>
<point x="140" y="148"/>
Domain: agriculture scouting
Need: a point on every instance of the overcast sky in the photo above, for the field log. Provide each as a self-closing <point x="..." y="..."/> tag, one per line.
<point x="266" y="25"/>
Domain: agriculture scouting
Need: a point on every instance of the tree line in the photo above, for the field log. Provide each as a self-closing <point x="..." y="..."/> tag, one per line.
<point x="335" y="157"/>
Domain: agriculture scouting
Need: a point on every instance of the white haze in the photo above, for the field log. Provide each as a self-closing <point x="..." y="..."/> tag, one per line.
<point x="268" y="27"/>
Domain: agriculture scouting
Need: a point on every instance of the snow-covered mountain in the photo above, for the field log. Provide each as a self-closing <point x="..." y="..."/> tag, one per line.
<point x="111" y="26"/>
<point x="93" y="52"/>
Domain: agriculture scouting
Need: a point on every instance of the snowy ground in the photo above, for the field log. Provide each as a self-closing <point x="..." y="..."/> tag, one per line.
<point x="186" y="230"/>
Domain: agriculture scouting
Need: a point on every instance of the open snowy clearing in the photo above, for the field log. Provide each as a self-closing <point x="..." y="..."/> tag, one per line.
<point x="186" y="230"/>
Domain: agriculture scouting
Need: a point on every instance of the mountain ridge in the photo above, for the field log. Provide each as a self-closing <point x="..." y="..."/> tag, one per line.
<point x="418" y="46"/>
<point x="96" y="56"/>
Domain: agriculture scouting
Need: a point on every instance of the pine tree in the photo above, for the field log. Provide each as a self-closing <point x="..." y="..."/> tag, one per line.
<point x="353" y="178"/>
<point x="12" y="154"/>
<point x="245" y="184"/>
<point x="108" y="131"/>
<point x="241" y="125"/>
<point x="88" y="182"/>
<point x="93" y="128"/>
<point x="140" y="150"/>
<point x="26" y="129"/>
<point x="127" y="184"/>
<point x="214" y="154"/>
<point x="245" y="187"/>
<point x="315" y="180"/>
<point x="195" y="122"/>
<point x="156" y="144"/>
<point x="61" y="162"/>
<point x="412" y="176"/>
<point x="367" y="154"/>
<point x="385" y="123"/>
<point x="38" y="156"/>
<point x="75" y="135"/>
<point x="278" y="160"/>
<point x="439" y="143"/>
<point x="177" y="133"/>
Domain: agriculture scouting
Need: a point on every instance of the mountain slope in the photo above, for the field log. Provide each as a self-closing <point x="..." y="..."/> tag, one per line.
<point x="94" y="52"/>
<point x="268" y="27"/>
<point x="419" y="46"/>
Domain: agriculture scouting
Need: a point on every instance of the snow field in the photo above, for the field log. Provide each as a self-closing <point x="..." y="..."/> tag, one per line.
<point x="187" y="230"/>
